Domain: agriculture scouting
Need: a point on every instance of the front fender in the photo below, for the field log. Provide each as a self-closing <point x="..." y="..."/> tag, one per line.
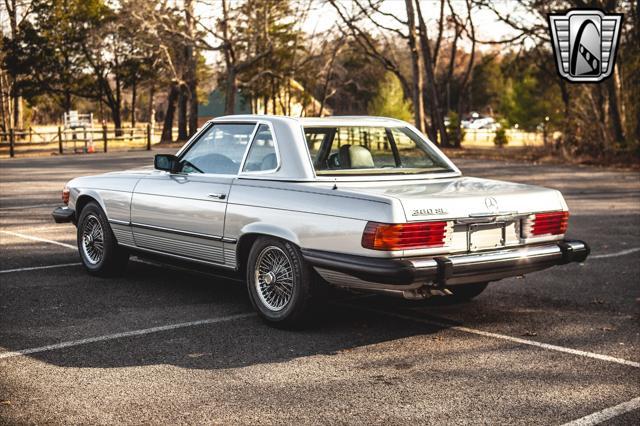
<point x="78" y="198"/>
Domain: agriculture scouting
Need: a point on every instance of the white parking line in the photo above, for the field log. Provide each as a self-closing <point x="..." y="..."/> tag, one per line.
<point x="35" y="268"/>
<point x="406" y="317"/>
<point x="502" y="337"/>
<point x="620" y="253"/>
<point x="606" y="414"/>
<point x="36" y="227"/>
<point x="44" y="240"/>
<point x="132" y="333"/>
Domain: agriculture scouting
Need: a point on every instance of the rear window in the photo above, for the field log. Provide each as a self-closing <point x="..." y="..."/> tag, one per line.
<point x="352" y="150"/>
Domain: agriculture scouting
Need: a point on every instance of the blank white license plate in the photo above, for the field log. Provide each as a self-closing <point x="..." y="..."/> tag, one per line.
<point x="486" y="236"/>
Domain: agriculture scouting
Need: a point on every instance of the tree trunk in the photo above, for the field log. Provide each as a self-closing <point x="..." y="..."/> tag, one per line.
<point x="436" y="118"/>
<point x="273" y="96"/>
<point x="3" y="108"/>
<point x="116" y="116"/>
<point x="116" y="109"/>
<point x="67" y="100"/>
<point x="192" y="64"/>
<point x="230" y="93"/>
<point x="167" y="127"/>
<point x="17" y="112"/>
<point x="193" y="109"/>
<point x="133" y="104"/>
<point x="182" y="114"/>
<point x="416" y="64"/>
<point x="467" y="74"/>
<point x="614" y="112"/>
<point x="151" y="110"/>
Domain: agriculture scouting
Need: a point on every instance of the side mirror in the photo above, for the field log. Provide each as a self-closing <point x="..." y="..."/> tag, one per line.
<point x="166" y="162"/>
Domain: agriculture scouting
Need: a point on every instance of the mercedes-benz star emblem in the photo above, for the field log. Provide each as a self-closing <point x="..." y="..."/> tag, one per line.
<point x="491" y="203"/>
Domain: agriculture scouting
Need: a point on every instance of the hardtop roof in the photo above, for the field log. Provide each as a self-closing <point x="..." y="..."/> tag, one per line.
<point x="351" y="120"/>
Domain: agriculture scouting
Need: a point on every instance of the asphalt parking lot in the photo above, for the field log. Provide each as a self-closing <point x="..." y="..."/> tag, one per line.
<point x="164" y="345"/>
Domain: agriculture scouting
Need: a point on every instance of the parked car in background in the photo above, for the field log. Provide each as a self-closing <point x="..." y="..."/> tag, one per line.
<point x="476" y="121"/>
<point x="294" y="205"/>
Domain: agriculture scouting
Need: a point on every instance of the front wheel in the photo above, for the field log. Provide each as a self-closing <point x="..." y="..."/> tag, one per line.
<point x="99" y="250"/>
<point x="279" y="282"/>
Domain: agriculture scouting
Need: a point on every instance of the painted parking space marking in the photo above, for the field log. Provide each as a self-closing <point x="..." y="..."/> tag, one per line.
<point x="43" y="240"/>
<point x="36" y="268"/>
<point x="619" y="253"/>
<point x="46" y="227"/>
<point x="606" y="414"/>
<point x="547" y="346"/>
<point x="132" y="333"/>
<point x="519" y="340"/>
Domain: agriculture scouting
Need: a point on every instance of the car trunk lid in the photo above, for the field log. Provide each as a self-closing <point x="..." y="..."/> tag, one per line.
<point x="462" y="197"/>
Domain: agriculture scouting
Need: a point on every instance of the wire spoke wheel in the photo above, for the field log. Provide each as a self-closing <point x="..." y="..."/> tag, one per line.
<point x="93" y="240"/>
<point x="274" y="278"/>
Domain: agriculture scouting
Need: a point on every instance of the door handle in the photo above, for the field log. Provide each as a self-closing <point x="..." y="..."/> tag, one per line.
<point x="219" y="196"/>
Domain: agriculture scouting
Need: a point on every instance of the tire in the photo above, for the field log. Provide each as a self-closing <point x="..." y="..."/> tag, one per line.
<point x="283" y="296"/>
<point x="107" y="258"/>
<point x="463" y="292"/>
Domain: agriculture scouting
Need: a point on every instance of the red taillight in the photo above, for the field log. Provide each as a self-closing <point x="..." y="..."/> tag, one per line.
<point x="65" y="195"/>
<point x="552" y="223"/>
<point x="404" y="236"/>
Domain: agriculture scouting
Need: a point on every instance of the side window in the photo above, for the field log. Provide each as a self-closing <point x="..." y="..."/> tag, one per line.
<point x="219" y="150"/>
<point x="262" y="155"/>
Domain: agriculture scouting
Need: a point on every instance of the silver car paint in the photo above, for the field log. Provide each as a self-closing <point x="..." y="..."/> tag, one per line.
<point x="174" y="214"/>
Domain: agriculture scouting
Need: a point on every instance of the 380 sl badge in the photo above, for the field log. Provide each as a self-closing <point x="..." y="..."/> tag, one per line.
<point x="428" y="212"/>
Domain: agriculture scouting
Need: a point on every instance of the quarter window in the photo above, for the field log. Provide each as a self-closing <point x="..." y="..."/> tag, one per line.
<point x="262" y="155"/>
<point x="219" y="150"/>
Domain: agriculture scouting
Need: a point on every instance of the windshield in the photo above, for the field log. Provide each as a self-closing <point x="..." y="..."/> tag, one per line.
<point x="353" y="150"/>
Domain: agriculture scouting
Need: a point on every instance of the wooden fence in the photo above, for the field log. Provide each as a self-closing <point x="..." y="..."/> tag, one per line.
<point x="484" y="138"/>
<point x="79" y="140"/>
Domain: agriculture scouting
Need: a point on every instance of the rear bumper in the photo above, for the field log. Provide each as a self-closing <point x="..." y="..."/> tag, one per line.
<point x="412" y="273"/>
<point x="63" y="215"/>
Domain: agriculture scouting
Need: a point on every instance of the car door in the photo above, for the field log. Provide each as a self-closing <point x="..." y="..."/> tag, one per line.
<point x="182" y="214"/>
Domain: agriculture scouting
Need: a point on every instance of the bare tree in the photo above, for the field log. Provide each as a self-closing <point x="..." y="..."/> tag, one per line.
<point x="17" y="11"/>
<point x="417" y="67"/>
<point x="437" y="121"/>
<point x="469" y="28"/>
<point x="371" y="47"/>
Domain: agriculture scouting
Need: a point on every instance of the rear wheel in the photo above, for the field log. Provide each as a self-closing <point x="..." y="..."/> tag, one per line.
<point x="99" y="250"/>
<point x="280" y="283"/>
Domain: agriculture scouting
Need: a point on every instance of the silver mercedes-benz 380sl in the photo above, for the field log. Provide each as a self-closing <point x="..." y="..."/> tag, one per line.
<point x="298" y="204"/>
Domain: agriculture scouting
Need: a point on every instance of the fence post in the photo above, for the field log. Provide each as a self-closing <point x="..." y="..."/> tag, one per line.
<point x="104" y="136"/>
<point x="148" y="137"/>
<point x="59" y="140"/>
<point x="12" y="141"/>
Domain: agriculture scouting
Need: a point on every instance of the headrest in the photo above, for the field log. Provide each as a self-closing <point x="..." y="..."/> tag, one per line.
<point x="269" y="162"/>
<point x="360" y="157"/>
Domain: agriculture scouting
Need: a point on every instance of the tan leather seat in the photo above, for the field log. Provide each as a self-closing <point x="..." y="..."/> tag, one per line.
<point x="355" y="157"/>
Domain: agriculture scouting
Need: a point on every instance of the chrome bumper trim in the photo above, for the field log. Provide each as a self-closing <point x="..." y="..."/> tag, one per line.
<point x="443" y="271"/>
